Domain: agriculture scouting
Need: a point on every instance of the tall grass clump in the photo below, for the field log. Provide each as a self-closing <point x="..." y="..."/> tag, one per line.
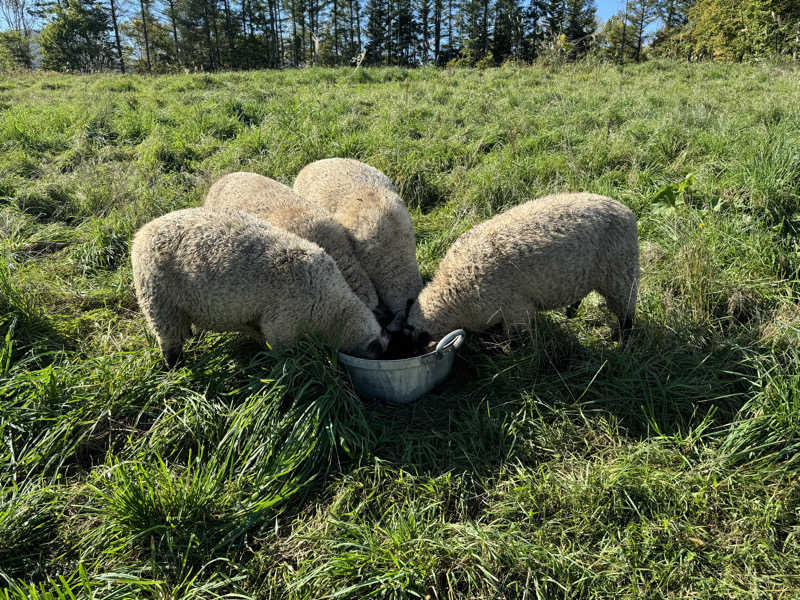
<point x="278" y="437"/>
<point x="29" y="517"/>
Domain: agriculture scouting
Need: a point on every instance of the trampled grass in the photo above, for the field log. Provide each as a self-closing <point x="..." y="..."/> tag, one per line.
<point x="555" y="464"/>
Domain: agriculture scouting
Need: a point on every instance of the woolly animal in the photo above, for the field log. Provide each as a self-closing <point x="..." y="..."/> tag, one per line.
<point x="281" y="206"/>
<point x="230" y="271"/>
<point x="365" y="202"/>
<point x="544" y="254"/>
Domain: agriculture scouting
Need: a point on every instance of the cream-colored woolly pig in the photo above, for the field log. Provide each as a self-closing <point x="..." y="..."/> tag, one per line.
<point x="365" y="202"/>
<point x="339" y="173"/>
<point x="230" y="271"/>
<point x="544" y="254"/>
<point x="281" y="206"/>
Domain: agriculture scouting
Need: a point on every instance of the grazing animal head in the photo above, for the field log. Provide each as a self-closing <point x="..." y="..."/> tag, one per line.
<point x="404" y="332"/>
<point x="374" y="348"/>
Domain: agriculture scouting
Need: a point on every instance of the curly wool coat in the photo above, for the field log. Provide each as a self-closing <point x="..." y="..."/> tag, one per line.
<point x="230" y="271"/>
<point x="544" y="254"/>
<point x="281" y="206"/>
<point x="365" y="202"/>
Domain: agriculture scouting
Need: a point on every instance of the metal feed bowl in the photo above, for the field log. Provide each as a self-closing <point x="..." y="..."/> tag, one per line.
<point x="404" y="380"/>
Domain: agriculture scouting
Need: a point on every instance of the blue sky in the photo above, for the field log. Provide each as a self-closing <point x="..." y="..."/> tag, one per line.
<point x="606" y="8"/>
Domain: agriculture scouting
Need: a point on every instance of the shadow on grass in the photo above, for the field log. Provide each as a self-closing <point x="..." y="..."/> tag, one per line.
<point x="503" y="393"/>
<point x="276" y="428"/>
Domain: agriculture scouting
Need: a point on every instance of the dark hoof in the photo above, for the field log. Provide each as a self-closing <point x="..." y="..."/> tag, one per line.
<point x="625" y="328"/>
<point x="572" y="310"/>
<point x="172" y="357"/>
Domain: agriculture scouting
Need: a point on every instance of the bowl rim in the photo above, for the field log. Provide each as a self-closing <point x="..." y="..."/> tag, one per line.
<point x="449" y="343"/>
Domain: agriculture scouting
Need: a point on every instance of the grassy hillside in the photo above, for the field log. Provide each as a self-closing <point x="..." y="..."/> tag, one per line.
<point x="556" y="465"/>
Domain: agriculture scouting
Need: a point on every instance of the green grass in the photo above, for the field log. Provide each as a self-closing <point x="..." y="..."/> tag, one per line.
<point x="551" y="465"/>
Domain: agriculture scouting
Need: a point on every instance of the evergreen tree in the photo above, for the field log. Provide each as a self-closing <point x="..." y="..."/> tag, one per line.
<point x="674" y="13"/>
<point x="580" y="23"/>
<point x="555" y="16"/>
<point x="197" y="27"/>
<point x="162" y="49"/>
<point x="296" y="10"/>
<point x="405" y="31"/>
<point x="145" y="16"/>
<point x="376" y="48"/>
<point x="171" y="15"/>
<point x="611" y="40"/>
<point x="15" y="50"/>
<point x="438" y="14"/>
<point x="471" y="23"/>
<point x="534" y="28"/>
<point x="220" y="34"/>
<point x="424" y="30"/>
<point x="641" y="14"/>
<point x="117" y="42"/>
<point x="453" y="46"/>
<point x="77" y="38"/>
<point x="508" y="40"/>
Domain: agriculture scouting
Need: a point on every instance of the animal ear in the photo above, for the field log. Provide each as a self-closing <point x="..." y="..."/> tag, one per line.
<point x="375" y="348"/>
<point x="382" y="314"/>
<point x="386" y="339"/>
<point x="409" y="304"/>
<point x="396" y="325"/>
<point x="424" y="339"/>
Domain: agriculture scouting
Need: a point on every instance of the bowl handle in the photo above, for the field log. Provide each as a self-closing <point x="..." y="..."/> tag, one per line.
<point x="458" y="335"/>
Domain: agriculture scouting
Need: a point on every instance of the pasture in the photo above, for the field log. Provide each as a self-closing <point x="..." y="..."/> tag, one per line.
<point x="553" y="465"/>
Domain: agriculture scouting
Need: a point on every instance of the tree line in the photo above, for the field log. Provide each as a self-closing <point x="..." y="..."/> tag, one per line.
<point x="210" y="35"/>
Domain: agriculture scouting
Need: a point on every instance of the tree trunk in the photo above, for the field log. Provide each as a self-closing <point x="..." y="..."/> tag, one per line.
<point x="312" y="30"/>
<point x="358" y="23"/>
<point x="303" y="29"/>
<point x="335" y="33"/>
<point x="485" y="27"/>
<point x="273" y="33"/>
<point x="146" y="38"/>
<point x="389" y="32"/>
<point x="229" y="32"/>
<point x="437" y="30"/>
<point x="295" y="49"/>
<point x="352" y="32"/>
<point x="450" y="27"/>
<point x="116" y="37"/>
<point x="216" y="35"/>
<point x="425" y="10"/>
<point x="174" y="30"/>
<point x="279" y="32"/>
<point x="641" y="32"/>
<point x="622" y="43"/>
<point x="264" y="16"/>
<point x="207" y="30"/>
<point x="245" y="51"/>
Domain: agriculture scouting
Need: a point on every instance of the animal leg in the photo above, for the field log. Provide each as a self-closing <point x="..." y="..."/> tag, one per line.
<point x="278" y="325"/>
<point x="171" y="335"/>
<point x="572" y="309"/>
<point x="621" y="299"/>
<point x="172" y="356"/>
<point x="253" y="332"/>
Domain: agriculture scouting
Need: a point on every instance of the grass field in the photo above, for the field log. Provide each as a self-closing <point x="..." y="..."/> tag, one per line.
<point x="552" y="466"/>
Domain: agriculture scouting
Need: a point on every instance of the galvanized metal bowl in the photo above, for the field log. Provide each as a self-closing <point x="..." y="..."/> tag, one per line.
<point x="403" y="380"/>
